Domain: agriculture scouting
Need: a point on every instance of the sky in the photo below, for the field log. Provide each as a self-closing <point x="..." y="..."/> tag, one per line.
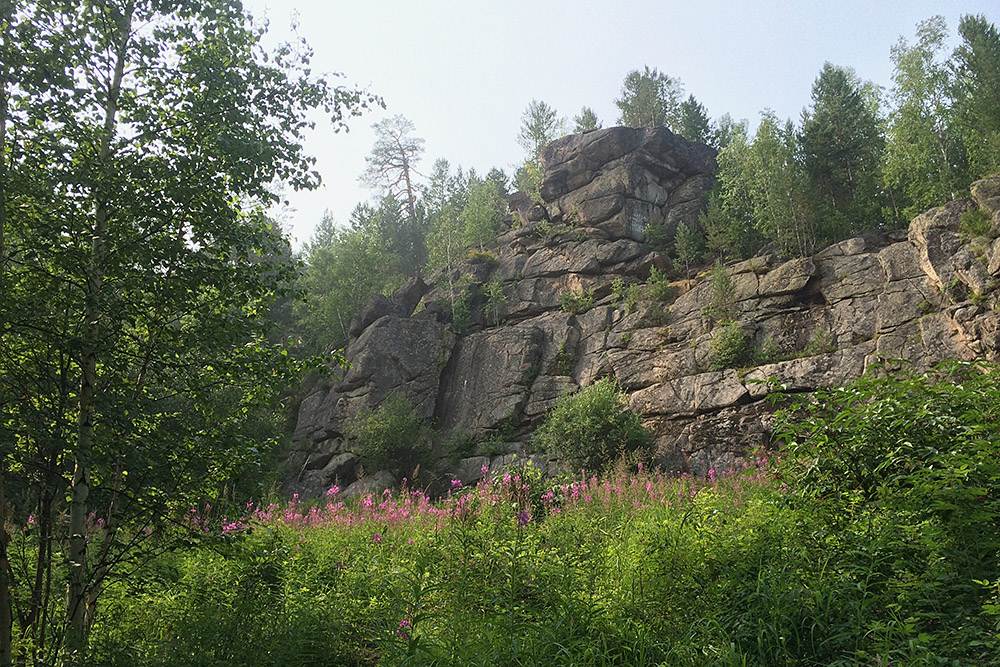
<point x="464" y="71"/>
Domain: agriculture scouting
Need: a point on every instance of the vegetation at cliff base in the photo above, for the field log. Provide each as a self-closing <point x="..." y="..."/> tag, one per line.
<point x="870" y="538"/>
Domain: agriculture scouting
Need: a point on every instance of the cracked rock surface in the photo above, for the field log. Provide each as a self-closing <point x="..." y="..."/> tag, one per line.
<point x="917" y="296"/>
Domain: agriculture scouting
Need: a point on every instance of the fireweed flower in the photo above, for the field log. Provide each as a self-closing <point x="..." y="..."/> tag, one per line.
<point x="401" y="630"/>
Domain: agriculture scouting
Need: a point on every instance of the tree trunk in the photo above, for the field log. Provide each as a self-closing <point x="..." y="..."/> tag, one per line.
<point x="75" y="642"/>
<point x="6" y="608"/>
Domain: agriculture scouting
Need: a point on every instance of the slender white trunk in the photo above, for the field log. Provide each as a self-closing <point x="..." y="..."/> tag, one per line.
<point x="77" y="595"/>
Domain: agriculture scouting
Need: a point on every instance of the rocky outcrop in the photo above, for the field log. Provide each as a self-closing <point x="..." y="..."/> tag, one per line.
<point x="623" y="180"/>
<point x="565" y="300"/>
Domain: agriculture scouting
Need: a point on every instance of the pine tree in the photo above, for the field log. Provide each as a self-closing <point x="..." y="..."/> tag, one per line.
<point x="842" y="151"/>
<point x="694" y="124"/>
<point x="586" y="121"/>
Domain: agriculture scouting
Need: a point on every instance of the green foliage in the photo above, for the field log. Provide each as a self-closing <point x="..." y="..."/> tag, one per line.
<point x="493" y="291"/>
<point x="528" y="179"/>
<point x="649" y="98"/>
<point x="870" y="540"/>
<point x="390" y="167"/>
<point x="486" y="258"/>
<point x="975" y="222"/>
<point x="821" y="342"/>
<point x="593" y="427"/>
<point x="976" y="89"/>
<point x="392" y="435"/>
<point x="730" y="347"/>
<point x="658" y="287"/>
<point x="618" y="289"/>
<point x="445" y="239"/>
<point x="842" y="145"/>
<point x="728" y="218"/>
<point x="627" y="294"/>
<point x="916" y="457"/>
<point x="924" y="158"/>
<point x="586" y="121"/>
<point x="577" y="301"/>
<point x="461" y="308"/>
<point x="689" y="246"/>
<point x="564" y="360"/>
<point x="779" y="189"/>
<point x="656" y="237"/>
<point x="146" y="140"/>
<point x="540" y="125"/>
<point x="693" y="123"/>
<point x="722" y="306"/>
<point x="338" y="280"/>
<point x="483" y="214"/>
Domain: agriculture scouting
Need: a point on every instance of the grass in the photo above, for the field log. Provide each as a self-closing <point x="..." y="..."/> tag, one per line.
<point x="871" y="540"/>
<point x="510" y="572"/>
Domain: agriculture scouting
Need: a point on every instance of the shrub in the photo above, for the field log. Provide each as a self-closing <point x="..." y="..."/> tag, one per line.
<point x="821" y="342"/>
<point x="593" y="426"/>
<point x="913" y="463"/>
<point x="577" y="301"/>
<point x="722" y="306"/>
<point x="975" y="222"/>
<point x="483" y="257"/>
<point x="391" y="436"/>
<point x="493" y="291"/>
<point x="729" y="347"/>
<point x="658" y="287"/>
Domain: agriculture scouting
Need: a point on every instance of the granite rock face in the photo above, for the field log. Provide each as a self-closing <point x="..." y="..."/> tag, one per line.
<point x="566" y="301"/>
<point x="624" y="179"/>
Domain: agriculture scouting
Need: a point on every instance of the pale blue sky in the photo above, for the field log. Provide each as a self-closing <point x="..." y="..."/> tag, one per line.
<point x="463" y="72"/>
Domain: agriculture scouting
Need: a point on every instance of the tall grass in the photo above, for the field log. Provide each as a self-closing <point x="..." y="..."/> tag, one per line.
<point x="872" y="540"/>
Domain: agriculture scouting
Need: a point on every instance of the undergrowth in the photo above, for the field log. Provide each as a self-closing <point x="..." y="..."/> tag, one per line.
<point x="870" y="539"/>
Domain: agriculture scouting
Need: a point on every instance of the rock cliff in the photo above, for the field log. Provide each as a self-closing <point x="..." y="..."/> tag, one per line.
<point x="567" y="298"/>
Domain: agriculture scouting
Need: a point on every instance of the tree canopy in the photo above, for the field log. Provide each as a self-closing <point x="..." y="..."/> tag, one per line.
<point x="141" y="142"/>
<point x="650" y="98"/>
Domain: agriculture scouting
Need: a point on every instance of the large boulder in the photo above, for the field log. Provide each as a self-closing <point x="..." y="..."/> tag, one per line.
<point x="623" y="179"/>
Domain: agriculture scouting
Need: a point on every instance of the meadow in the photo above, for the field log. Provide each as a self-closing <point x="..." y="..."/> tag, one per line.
<point x="869" y="539"/>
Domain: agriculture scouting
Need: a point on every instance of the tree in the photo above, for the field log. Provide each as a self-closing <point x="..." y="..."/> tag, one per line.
<point x="540" y="125"/>
<point x="688" y="246"/>
<point x="586" y="121"/>
<point x="726" y="129"/>
<point x="693" y="123"/>
<point x="343" y="270"/>
<point x="842" y="148"/>
<point x="482" y="215"/>
<point x="976" y="64"/>
<point x="778" y="187"/>
<point x="650" y="99"/>
<point x="138" y="267"/>
<point x="924" y="159"/>
<point x="499" y="178"/>
<point x="392" y="164"/>
<point x="728" y="220"/>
